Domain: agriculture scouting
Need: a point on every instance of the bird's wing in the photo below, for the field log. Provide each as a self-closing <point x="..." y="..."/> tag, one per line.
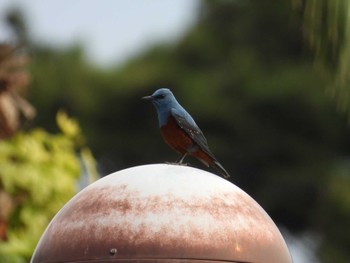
<point x="190" y="127"/>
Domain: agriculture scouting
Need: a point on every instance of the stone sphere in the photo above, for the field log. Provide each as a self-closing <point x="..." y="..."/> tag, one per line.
<point x="162" y="213"/>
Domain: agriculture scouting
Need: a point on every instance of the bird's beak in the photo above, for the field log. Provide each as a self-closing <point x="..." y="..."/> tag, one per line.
<point x="147" y="98"/>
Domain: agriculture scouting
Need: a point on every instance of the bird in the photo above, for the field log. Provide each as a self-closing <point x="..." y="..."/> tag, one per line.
<point x="181" y="132"/>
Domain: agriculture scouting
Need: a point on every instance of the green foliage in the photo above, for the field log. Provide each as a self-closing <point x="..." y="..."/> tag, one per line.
<point x="39" y="171"/>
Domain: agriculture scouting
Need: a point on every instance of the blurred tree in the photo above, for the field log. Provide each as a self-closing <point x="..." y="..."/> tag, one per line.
<point x="13" y="81"/>
<point x="326" y="26"/>
<point x="15" y="21"/>
<point x="39" y="171"/>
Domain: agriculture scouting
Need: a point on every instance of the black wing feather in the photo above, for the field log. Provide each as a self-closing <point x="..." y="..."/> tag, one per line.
<point x="198" y="137"/>
<point x="194" y="132"/>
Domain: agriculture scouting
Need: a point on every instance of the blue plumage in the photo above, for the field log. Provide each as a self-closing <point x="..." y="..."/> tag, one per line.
<point x="166" y="104"/>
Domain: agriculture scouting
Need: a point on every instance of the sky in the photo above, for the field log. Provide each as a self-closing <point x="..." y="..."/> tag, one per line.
<point x="110" y="30"/>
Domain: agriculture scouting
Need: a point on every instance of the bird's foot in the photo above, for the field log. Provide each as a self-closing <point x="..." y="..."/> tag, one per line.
<point x="175" y="163"/>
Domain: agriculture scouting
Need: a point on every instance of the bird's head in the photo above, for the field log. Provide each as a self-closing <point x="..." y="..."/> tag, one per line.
<point x="161" y="98"/>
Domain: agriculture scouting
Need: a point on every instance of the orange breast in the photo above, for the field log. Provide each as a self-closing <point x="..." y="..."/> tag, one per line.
<point x="175" y="137"/>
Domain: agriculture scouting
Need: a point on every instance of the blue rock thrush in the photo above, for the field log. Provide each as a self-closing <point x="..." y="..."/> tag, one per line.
<point x="180" y="131"/>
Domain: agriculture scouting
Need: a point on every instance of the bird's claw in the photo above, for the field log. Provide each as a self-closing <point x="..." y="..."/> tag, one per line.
<point x="175" y="163"/>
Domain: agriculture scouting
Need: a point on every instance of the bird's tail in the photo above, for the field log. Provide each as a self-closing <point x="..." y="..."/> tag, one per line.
<point x="215" y="164"/>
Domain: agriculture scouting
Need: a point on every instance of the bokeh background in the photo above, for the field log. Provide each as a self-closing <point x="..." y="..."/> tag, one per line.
<point x="266" y="80"/>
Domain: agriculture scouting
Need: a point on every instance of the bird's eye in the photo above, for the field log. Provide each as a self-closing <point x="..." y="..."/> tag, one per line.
<point x="161" y="96"/>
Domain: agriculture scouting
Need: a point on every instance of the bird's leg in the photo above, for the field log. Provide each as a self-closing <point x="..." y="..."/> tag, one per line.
<point x="181" y="158"/>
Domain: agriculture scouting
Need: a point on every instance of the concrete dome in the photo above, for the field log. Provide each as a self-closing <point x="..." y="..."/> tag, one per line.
<point x="158" y="213"/>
